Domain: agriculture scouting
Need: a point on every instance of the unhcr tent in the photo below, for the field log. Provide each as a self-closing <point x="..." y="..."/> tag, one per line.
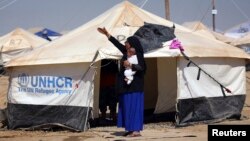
<point x="58" y="84"/>
<point x="17" y="43"/>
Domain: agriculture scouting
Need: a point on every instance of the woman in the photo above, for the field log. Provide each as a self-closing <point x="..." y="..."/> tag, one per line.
<point x="131" y="98"/>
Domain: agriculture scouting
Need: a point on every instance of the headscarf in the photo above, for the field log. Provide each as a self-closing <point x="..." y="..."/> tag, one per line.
<point x="135" y="43"/>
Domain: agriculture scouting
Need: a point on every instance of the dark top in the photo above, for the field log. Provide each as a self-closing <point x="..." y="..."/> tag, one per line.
<point x="137" y="84"/>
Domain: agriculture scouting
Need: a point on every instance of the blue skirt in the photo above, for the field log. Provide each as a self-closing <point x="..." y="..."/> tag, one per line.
<point x="130" y="112"/>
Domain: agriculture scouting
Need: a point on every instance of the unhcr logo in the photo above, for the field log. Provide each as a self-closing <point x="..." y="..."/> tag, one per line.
<point x="23" y="80"/>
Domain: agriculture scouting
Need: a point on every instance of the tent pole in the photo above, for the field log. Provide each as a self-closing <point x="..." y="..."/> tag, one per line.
<point x="89" y="97"/>
<point x="167" y="9"/>
<point x="214" y="12"/>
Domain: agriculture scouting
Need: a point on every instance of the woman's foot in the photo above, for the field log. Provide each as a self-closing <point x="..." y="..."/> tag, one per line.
<point x="134" y="134"/>
<point x="127" y="133"/>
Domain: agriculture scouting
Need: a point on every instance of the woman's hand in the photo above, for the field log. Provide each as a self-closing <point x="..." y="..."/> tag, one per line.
<point x="103" y="31"/>
<point x="126" y="64"/>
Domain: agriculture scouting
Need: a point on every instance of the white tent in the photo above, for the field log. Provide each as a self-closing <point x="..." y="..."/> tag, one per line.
<point x="17" y="43"/>
<point x="59" y="75"/>
<point x="245" y="40"/>
<point x="243" y="43"/>
<point x="203" y="30"/>
<point x="238" y="31"/>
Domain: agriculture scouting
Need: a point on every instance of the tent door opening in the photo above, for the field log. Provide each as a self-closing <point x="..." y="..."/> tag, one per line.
<point x="108" y="97"/>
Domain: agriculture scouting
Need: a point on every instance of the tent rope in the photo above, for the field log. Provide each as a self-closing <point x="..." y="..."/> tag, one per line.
<point x="9" y="4"/>
<point x="89" y="92"/>
<point x="199" y="71"/>
<point x="203" y="16"/>
<point x="90" y="96"/>
<point x="241" y="11"/>
<point x="144" y="3"/>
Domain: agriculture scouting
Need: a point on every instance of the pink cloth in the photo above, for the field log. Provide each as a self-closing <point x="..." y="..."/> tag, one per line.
<point x="176" y="44"/>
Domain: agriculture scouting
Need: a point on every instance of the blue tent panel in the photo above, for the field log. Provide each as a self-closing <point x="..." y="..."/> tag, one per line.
<point x="46" y="33"/>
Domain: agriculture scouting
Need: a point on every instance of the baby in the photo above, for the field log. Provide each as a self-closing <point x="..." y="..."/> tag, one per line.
<point x="132" y="59"/>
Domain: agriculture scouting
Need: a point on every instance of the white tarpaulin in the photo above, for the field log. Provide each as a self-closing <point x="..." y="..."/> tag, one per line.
<point x="17" y="43"/>
<point x="229" y="72"/>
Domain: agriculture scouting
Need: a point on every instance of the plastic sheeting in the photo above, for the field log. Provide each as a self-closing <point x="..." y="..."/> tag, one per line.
<point x="152" y="36"/>
<point x="209" y="109"/>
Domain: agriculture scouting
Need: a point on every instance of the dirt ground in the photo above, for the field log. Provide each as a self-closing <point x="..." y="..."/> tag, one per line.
<point x="152" y="131"/>
<point x="158" y="132"/>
